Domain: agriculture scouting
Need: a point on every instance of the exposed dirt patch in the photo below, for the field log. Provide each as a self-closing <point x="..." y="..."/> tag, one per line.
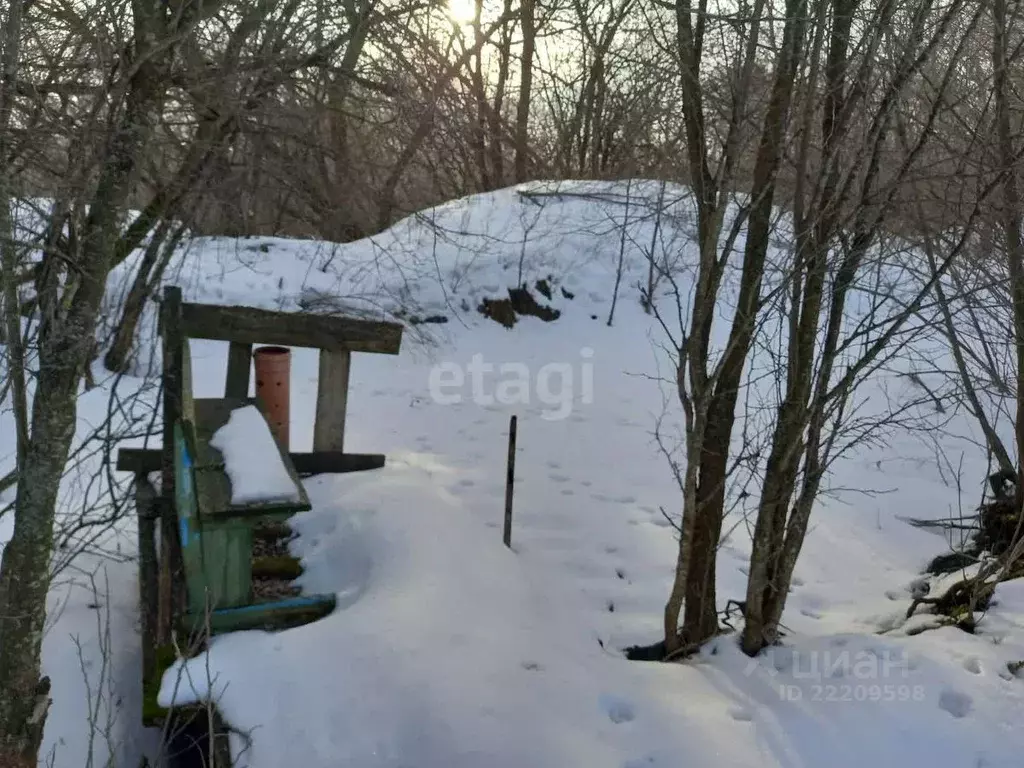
<point x="998" y="524"/>
<point x="544" y="287"/>
<point x="498" y="310"/>
<point x="951" y="562"/>
<point x="273" y="566"/>
<point x="520" y="302"/>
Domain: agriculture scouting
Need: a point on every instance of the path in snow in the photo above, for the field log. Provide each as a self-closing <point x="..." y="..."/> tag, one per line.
<point x="495" y="655"/>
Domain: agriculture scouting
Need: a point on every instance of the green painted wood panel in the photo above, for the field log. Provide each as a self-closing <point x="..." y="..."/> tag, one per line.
<point x="188" y="521"/>
<point x="218" y="561"/>
<point x="227" y="565"/>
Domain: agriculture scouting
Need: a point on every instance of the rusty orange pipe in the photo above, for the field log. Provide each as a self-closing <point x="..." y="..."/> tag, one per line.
<point x="273" y="374"/>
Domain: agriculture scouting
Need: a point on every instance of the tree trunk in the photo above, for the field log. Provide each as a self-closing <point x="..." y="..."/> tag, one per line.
<point x="479" y="140"/>
<point x="24" y="573"/>
<point x="528" y="24"/>
<point x="10" y="309"/>
<point x="497" y="126"/>
<point x="1012" y="214"/>
<point x="63" y="354"/>
<point x="151" y="269"/>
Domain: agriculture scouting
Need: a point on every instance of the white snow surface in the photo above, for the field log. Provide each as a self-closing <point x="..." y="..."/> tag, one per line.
<point x="252" y="460"/>
<point x="448" y="650"/>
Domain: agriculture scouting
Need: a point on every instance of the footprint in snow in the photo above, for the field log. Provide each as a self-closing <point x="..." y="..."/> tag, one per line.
<point x="957" y="703"/>
<point x="600" y="497"/>
<point x="973" y="665"/>
<point x="466" y="483"/>
<point x="744" y="570"/>
<point x="568" y="492"/>
<point x="627" y="499"/>
<point x="558" y="478"/>
<point x="586" y="483"/>
<point x="618" y="709"/>
<point x="810" y="613"/>
<point x="552" y="465"/>
<point x="741" y="714"/>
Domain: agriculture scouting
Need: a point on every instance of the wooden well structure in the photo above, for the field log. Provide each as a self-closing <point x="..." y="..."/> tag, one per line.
<point x="200" y="583"/>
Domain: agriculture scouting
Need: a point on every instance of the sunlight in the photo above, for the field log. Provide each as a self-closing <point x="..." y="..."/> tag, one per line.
<point x="462" y="11"/>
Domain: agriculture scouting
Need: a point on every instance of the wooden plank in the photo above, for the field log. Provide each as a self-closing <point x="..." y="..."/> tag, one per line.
<point x="279" y="567"/>
<point x="218" y="561"/>
<point x="316" y="463"/>
<point x="239" y="367"/>
<point x="212" y="484"/>
<point x="280" y="614"/>
<point x="247" y="325"/>
<point x="187" y="400"/>
<point x="331" y="401"/>
<point x="328" y="462"/>
<point x="227" y="565"/>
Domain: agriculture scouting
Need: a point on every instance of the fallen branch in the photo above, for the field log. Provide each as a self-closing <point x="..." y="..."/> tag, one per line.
<point x="959" y="601"/>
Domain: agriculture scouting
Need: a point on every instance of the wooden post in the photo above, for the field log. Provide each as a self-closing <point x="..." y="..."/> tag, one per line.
<point x="148" y="512"/>
<point x="510" y="479"/>
<point x="331" y="401"/>
<point x="239" y="362"/>
<point x="173" y="353"/>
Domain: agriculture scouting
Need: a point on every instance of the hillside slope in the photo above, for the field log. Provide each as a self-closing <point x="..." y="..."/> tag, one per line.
<point x="448" y="650"/>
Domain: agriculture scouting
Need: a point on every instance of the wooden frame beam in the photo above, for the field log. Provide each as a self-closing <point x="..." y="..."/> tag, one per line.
<point x="239" y="366"/>
<point x="245" y="325"/>
<point x="145" y="460"/>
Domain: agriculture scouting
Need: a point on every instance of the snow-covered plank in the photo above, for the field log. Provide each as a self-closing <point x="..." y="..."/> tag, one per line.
<point x="246" y="472"/>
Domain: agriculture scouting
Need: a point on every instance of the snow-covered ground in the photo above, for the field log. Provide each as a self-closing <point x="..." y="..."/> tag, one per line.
<point x="447" y="650"/>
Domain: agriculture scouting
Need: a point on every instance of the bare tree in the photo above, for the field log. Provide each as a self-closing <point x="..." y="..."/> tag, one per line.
<point x="117" y="121"/>
<point x="527" y="23"/>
